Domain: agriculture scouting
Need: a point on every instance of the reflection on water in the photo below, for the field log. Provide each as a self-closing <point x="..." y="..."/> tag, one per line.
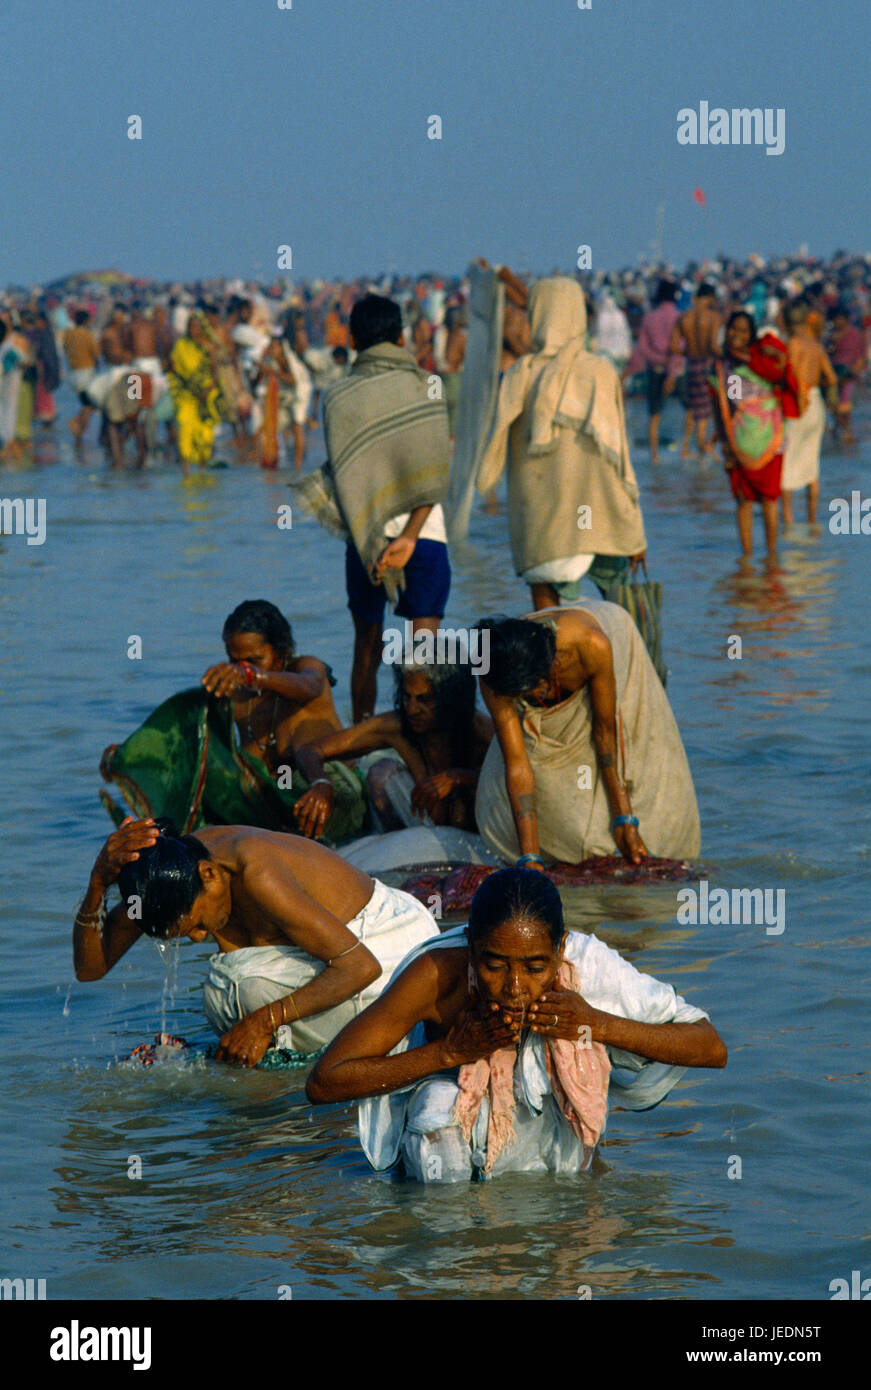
<point x="245" y="1188"/>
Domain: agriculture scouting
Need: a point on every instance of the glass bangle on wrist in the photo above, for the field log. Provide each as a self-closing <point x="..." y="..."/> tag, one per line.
<point x="528" y="859"/>
<point x="624" y="820"/>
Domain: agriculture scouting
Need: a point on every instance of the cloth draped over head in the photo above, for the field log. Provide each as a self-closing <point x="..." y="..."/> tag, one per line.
<point x="578" y="1075"/>
<point x="561" y="410"/>
<point x="389" y="451"/>
<point x="565" y="384"/>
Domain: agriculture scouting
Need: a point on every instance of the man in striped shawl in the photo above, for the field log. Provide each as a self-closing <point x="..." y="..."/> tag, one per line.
<point x="386" y="429"/>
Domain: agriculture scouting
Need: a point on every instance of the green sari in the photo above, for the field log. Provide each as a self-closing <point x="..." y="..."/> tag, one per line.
<point x="185" y="763"/>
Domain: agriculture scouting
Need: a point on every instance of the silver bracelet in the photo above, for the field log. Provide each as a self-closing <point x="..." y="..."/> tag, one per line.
<point x="318" y="780"/>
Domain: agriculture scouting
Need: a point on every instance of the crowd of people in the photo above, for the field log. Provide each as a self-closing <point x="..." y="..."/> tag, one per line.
<point x="225" y="365"/>
<point x="493" y="1046"/>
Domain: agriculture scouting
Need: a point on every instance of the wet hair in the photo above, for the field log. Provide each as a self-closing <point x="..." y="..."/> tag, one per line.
<point x="666" y="292"/>
<point x="454" y="689"/>
<point x="374" y="320"/>
<point x="165" y="879"/>
<point x="260" y="616"/>
<point x="521" y="653"/>
<point x="81" y="317"/>
<point x="743" y="314"/>
<point x="706" y="291"/>
<point x="516" y="895"/>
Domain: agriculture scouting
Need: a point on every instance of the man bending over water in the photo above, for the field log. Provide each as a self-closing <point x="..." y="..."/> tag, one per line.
<point x="290" y="919"/>
<point x="491" y="1050"/>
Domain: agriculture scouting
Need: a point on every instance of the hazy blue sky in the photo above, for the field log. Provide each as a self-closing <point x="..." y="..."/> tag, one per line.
<point x="308" y="127"/>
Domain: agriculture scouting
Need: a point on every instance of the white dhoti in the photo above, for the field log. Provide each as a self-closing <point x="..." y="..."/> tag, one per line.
<point x="81" y="378"/>
<point x="151" y="366"/>
<point x="802" y="442"/>
<point x="100" y="385"/>
<point x="567" y="570"/>
<point x="391" y="924"/>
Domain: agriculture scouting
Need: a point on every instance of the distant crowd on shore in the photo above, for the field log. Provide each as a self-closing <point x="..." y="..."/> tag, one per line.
<point x="251" y="362"/>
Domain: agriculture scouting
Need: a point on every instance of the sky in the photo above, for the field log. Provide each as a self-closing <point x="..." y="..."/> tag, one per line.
<point x="307" y="128"/>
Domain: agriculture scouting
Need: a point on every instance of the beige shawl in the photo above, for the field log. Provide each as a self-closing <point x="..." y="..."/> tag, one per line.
<point x="561" y="409"/>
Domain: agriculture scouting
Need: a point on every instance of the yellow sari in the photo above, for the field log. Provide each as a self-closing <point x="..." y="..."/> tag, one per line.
<point x="195" y="394"/>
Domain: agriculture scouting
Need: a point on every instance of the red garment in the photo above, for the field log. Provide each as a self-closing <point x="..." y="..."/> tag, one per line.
<point x="757" y="484"/>
<point x="783" y="378"/>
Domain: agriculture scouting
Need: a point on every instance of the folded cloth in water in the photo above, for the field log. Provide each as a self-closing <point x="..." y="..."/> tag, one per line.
<point x="185" y="762"/>
<point x="391" y="924"/>
<point x="457" y="888"/>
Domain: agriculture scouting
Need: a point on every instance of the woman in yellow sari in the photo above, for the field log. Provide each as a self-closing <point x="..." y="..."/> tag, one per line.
<point x="195" y="391"/>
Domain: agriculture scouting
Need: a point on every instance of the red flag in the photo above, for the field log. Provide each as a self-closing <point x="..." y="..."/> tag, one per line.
<point x="699" y="197"/>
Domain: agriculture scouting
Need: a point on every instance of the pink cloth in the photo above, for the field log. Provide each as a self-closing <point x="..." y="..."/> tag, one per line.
<point x="578" y="1079"/>
<point x="652" y="348"/>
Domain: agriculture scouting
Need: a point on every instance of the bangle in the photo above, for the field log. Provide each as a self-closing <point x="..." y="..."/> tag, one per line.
<point x="529" y="859"/>
<point x="293" y="1002"/>
<point x="346" y="952"/>
<point x="248" y="672"/>
<point x="318" y="780"/>
<point x="271" y="1021"/>
<point x="624" y="820"/>
<point x="92" y="919"/>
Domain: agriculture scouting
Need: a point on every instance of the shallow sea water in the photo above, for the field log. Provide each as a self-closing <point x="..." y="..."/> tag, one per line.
<point x="245" y="1189"/>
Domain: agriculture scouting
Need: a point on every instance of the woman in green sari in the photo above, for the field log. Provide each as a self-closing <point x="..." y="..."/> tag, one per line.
<point x="224" y="753"/>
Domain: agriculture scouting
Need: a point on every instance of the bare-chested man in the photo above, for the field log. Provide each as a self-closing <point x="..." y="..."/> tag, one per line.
<point x="115" y="340"/>
<point x="288" y="917"/>
<point x="803" y="437"/>
<point x="697" y="333"/>
<point x="141" y="333"/>
<point x="83" y="354"/>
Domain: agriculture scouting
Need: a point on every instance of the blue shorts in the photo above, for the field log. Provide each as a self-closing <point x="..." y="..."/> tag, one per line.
<point x="427" y="585"/>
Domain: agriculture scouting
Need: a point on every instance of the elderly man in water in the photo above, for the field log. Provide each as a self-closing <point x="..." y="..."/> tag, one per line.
<point x="492" y="1049"/>
<point x="304" y="939"/>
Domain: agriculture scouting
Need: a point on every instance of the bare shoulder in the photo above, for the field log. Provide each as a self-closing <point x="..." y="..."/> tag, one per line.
<point x="310" y="663"/>
<point x="435" y="975"/>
